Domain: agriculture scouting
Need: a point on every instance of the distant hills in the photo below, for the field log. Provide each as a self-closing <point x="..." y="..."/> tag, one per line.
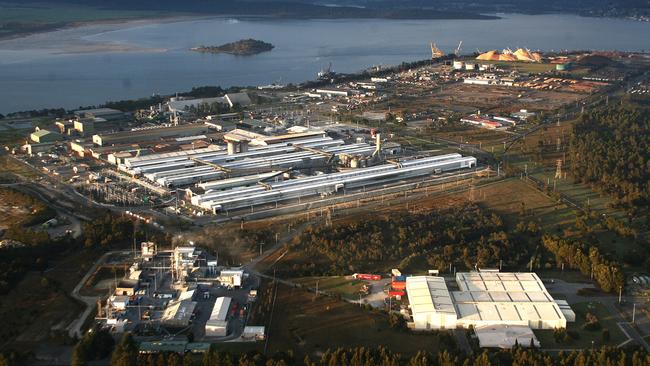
<point x="413" y="9"/>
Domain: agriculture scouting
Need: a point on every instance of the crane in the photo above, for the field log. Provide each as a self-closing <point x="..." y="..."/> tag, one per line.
<point x="267" y="186"/>
<point x="457" y="52"/>
<point x="216" y="166"/>
<point x="435" y="51"/>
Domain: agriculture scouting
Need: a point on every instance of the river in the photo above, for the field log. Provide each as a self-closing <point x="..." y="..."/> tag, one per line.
<point x="95" y="63"/>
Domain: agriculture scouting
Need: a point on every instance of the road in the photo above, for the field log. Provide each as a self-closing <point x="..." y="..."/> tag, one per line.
<point x="569" y="290"/>
<point x="74" y="329"/>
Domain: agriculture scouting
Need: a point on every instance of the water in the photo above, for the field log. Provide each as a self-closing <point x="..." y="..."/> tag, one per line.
<point x="47" y="70"/>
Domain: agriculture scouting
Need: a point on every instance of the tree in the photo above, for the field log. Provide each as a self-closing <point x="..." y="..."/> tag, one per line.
<point x="126" y="352"/>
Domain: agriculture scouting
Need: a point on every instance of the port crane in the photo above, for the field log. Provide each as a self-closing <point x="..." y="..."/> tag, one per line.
<point x="435" y="51"/>
<point x="457" y="52"/>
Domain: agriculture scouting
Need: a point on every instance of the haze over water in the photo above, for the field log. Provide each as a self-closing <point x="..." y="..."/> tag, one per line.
<point x="94" y="64"/>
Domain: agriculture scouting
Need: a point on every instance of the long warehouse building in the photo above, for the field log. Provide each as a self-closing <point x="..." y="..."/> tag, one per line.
<point x="326" y="184"/>
<point x="182" y="169"/>
<point x="485" y="299"/>
<point x="217" y="325"/>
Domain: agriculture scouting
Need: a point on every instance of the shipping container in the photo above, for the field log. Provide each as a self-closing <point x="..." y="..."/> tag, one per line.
<point x="365" y="276"/>
<point x="401" y="278"/>
<point x="398" y="285"/>
<point x="396" y="293"/>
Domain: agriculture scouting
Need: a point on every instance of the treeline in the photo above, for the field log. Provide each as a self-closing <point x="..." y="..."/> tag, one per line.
<point x="15" y="261"/>
<point x="110" y="230"/>
<point x="52" y="112"/>
<point x="461" y="236"/>
<point x="282" y="9"/>
<point x="587" y="260"/>
<point x="610" y="148"/>
<point x="126" y="354"/>
<point x="96" y="344"/>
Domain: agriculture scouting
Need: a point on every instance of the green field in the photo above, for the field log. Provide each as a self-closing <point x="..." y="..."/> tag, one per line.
<point x="348" y="288"/>
<point x="310" y="325"/>
<point x="585" y="337"/>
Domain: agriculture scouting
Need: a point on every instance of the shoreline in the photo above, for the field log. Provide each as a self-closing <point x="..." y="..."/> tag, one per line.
<point x="172" y="18"/>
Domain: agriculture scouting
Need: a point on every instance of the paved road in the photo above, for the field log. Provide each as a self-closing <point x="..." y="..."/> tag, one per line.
<point x="569" y="290"/>
<point x="74" y="329"/>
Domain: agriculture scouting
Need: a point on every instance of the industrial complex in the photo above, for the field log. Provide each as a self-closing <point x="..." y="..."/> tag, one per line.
<point x="490" y="300"/>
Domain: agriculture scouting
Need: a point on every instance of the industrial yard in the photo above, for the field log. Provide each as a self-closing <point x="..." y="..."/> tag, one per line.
<point x="420" y="207"/>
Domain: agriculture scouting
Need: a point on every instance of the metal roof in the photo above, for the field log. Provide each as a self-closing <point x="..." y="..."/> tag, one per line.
<point x="428" y="294"/>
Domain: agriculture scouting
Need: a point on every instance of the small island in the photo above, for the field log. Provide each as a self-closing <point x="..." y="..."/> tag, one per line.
<point x="245" y="47"/>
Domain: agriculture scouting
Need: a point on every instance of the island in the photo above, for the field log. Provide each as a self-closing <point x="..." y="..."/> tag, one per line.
<point x="244" y="47"/>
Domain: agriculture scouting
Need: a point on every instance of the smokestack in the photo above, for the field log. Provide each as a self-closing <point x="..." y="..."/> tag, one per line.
<point x="378" y="143"/>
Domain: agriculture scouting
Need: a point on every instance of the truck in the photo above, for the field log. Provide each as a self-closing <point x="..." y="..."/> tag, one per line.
<point x="366" y="276"/>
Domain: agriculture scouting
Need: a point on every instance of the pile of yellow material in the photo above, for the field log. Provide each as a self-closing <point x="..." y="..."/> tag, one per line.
<point x="507" y="55"/>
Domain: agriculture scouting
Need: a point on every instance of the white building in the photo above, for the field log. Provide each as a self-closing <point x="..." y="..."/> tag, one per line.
<point x="232" y="278"/>
<point x="217" y="325"/>
<point x="430" y="303"/>
<point x="485" y="299"/>
<point x="119" y="302"/>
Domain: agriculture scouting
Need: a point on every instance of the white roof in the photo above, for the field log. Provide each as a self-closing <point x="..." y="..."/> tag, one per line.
<point x="232" y="272"/>
<point x="503" y="297"/>
<point x="180" y="105"/>
<point x="219" y="311"/>
<point x="429" y="294"/>
<point x="180" y="310"/>
<point x="505" y="336"/>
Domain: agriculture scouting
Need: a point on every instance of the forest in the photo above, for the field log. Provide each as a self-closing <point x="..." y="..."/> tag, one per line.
<point x="464" y="236"/>
<point x="610" y="149"/>
<point x="126" y="354"/>
<point x="588" y="260"/>
<point x="16" y="261"/>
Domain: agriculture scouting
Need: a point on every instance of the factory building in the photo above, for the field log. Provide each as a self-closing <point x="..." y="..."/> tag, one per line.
<point x="491" y="301"/>
<point x="179" y="105"/>
<point x="150" y="134"/>
<point x="217" y="325"/>
<point x="107" y="114"/>
<point x="43" y="136"/>
<point x="327" y="184"/>
<point x="179" y="314"/>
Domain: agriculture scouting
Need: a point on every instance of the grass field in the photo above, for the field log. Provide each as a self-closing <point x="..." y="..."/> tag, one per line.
<point x="347" y="287"/>
<point x="538" y="154"/>
<point x="311" y="325"/>
<point x="10" y="168"/>
<point x="585" y="337"/>
<point x="506" y="199"/>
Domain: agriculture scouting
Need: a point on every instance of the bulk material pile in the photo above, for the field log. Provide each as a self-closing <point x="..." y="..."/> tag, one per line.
<point x="326" y="184"/>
